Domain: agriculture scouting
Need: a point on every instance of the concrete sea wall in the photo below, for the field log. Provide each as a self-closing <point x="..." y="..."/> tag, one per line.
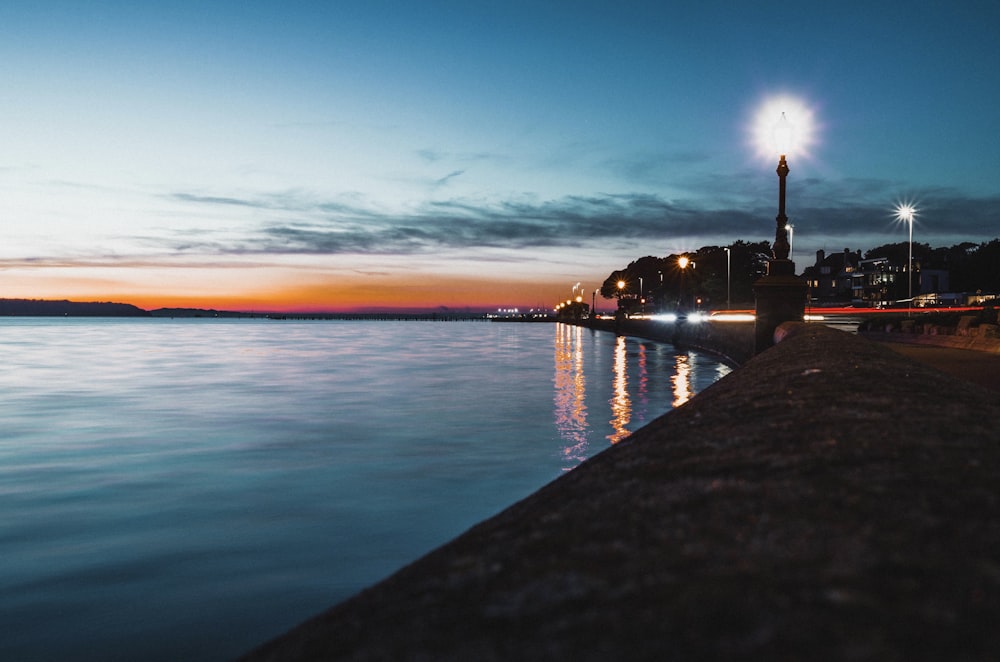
<point x="809" y="505"/>
<point x="733" y="342"/>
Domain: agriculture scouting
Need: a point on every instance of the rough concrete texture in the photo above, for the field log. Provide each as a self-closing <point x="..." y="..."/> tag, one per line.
<point x="829" y="500"/>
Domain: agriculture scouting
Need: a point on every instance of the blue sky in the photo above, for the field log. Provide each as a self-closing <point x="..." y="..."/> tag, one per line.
<point x="341" y="154"/>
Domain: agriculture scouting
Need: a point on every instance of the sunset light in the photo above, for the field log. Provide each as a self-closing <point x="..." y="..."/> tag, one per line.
<point x="348" y="162"/>
<point x="293" y="294"/>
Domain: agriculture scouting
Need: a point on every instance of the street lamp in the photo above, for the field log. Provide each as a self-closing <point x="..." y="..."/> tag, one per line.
<point x="782" y="136"/>
<point x="781" y="295"/>
<point x="729" y="277"/>
<point x="906" y="212"/>
<point x="683" y="263"/>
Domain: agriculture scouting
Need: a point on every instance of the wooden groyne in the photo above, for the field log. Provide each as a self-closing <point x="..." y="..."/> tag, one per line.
<point x="828" y="500"/>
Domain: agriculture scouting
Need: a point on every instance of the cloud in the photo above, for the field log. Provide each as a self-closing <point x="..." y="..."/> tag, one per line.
<point x="852" y="212"/>
<point x="216" y="200"/>
<point x="451" y="175"/>
<point x="430" y="155"/>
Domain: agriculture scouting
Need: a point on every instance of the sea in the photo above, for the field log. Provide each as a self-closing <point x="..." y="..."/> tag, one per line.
<point x="187" y="489"/>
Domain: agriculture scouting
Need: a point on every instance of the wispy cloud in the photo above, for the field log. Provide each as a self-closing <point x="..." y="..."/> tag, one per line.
<point x="217" y="200"/>
<point x="443" y="181"/>
<point x="844" y="211"/>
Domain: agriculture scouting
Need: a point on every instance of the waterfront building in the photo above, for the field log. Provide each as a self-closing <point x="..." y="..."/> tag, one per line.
<point x="830" y="279"/>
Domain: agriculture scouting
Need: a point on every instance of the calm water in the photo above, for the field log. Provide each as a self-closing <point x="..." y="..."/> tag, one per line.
<point x="188" y="489"/>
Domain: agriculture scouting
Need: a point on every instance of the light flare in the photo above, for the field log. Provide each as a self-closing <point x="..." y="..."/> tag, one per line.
<point x="787" y="120"/>
<point x="905" y="211"/>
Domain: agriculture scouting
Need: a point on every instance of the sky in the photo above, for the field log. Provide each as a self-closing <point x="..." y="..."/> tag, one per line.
<point x="371" y="154"/>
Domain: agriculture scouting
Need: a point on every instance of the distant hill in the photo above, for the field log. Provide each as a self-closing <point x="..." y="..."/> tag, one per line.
<point x="42" y="308"/>
<point x="65" y="308"/>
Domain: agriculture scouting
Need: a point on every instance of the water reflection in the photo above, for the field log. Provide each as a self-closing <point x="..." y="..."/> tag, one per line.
<point x="682" y="380"/>
<point x="570" y="393"/>
<point x="621" y="404"/>
<point x="607" y="386"/>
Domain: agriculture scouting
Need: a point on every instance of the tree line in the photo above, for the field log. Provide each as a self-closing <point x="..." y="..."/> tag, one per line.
<point x="713" y="276"/>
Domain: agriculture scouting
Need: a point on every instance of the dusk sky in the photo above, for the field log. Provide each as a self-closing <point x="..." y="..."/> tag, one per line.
<point x="341" y="154"/>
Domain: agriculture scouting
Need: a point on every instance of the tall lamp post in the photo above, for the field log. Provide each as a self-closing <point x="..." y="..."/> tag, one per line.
<point x="782" y="142"/>
<point x="906" y="213"/>
<point x="683" y="261"/>
<point x="729" y="277"/>
<point x="781" y="295"/>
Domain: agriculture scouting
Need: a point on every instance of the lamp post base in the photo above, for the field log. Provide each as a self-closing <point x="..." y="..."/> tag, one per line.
<point x="781" y="297"/>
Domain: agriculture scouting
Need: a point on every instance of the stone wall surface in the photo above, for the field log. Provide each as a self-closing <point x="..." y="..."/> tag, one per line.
<point x="809" y="505"/>
<point x="978" y="342"/>
<point x="978" y="332"/>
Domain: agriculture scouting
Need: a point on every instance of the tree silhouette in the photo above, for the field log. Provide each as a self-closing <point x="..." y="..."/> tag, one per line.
<point x="666" y="286"/>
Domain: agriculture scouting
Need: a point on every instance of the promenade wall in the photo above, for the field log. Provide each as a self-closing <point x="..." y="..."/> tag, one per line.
<point x="809" y="505"/>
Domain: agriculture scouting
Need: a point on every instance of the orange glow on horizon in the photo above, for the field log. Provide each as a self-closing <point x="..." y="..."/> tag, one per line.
<point x="284" y="290"/>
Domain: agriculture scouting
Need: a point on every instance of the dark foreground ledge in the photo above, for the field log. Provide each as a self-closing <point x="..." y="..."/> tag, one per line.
<point x="829" y="500"/>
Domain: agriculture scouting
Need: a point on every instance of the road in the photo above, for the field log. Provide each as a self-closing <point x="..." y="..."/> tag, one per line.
<point x="982" y="368"/>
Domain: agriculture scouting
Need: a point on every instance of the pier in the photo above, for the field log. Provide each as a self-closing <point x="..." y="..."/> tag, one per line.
<point x="830" y="499"/>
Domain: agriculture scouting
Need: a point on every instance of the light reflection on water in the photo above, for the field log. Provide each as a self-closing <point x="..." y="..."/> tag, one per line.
<point x="621" y="403"/>
<point x="188" y="489"/>
<point x="682" y="380"/>
<point x="644" y="379"/>
<point x="571" y="394"/>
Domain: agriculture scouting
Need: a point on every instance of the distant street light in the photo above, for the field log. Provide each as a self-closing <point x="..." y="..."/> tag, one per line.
<point x="729" y="277"/>
<point x="683" y="263"/>
<point x="906" y="212"/>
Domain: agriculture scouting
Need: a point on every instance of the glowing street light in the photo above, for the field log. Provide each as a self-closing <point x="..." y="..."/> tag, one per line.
<point x="783" y="144"/>
<point x="683" y="262"/>
<point x="729" y="277"/>
<point x="780" y="294"/>
<point x="783" y="126"/>
<point x="906" y="212"/>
